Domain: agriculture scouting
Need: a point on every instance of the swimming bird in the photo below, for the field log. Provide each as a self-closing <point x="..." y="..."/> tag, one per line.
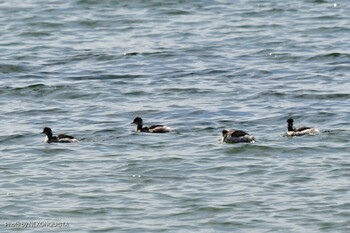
<point x="291" y="131"/>
<point x="61" y="138"/>
<point x="150" y="129"/>
<point x="235" y="136"/>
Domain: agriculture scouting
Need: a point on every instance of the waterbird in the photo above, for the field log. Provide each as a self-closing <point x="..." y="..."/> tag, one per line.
<point x="149" y="129"/>
<point x="61" y="138"/>
<point x="291" y="131"/>
<point x="236" y="136"/>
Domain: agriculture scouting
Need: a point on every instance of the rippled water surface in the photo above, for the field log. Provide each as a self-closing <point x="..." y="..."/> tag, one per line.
<point x="87" y="68"/>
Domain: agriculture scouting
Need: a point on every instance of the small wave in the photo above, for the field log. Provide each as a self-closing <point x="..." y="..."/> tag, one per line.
<point x="272" y="93"/>
<point x="104" y="77"/>
<point x="330" y="56"/>
<point x="9" y="138"/>
<point x="36" y="90"/>
<point x="295" y="94"/>
<point x="323" y="96"/>
<point x="178" y="12"/>
<point x="9" y="68"/>
<point x="188" y="90"/>
<point x="35" y="34"/>
<point x="318" y="1"/>
<point x="38" y="86"/>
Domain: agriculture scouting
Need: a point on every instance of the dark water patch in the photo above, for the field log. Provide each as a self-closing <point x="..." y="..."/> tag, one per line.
<point x="88" y="55"/>
<point x="326" y="18"/>
<point x="53" y="149"/>
<point x="11" y="68"/>
<point x="178" y="74"/>
<point x="322" y="96"/>
<point x="154" y="54"/>
<point x="71" y="95"/>
<point x="36" y="34"/>
<point x="317" y="1"/>
<point x="267" y="11"/>
<point x="272" y="93"/>
<point x="110" y="135"/>
<point x="30" y="76"/>
<point x="330" y="56"/>
<point x="83" y="211"/>
<point x="238" y="148"/>
<point x="159" y="54"/>
<point x="105" y="77"/>
<point x="298" y="95"/>
<point x="85" y="56"/>
<point x="135" y="93"/>
<point x="176" y="12"/>
<point x="32" y="87"/>
<point x="334" y="131"/>
<point x="36" y="90"/>
<point x="18" y="92"/>
<point x="92" y="24"/>
<point x="90" y="3"/>
<point x="9" y="139"/>
<point x="211" y="72"/>
<point x="181" y="91"/>
<point x="331" y="31"/>
<point x="340" y="67"/>
<point x="40" y="25"/>
<point x="232" y="116"/>
<point x="157" y="175"/>
<point x="300" y="179"/>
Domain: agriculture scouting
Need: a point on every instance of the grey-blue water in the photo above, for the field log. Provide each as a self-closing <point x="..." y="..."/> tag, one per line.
<point x="88" y="67"/>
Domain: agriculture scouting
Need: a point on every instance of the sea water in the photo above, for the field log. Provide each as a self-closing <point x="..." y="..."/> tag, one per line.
<point x="88" y="67"/>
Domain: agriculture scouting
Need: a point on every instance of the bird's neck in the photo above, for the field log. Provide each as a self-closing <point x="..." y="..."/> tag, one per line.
<point x="139" y="127"/>
<point x="49" y="135"/>
<point x="290" y="127"/>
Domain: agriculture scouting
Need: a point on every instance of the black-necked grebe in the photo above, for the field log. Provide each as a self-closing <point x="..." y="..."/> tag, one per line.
<point x="61" y="138"/>
<point x="150" y="129"/>
<point x="235" y="136"/>
<point x="291" y="131"/>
